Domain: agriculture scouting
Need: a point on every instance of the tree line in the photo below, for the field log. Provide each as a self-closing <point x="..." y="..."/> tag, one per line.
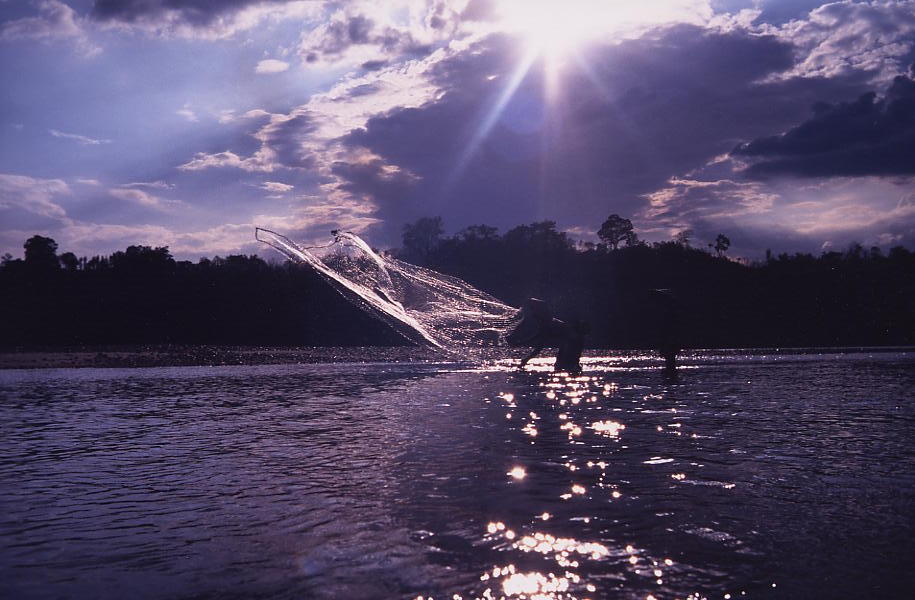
<point x="142" y="295"/>
<point x="859" y="297"/>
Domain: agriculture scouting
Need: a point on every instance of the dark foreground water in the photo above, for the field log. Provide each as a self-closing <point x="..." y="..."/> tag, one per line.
<point x="749" y="477"/>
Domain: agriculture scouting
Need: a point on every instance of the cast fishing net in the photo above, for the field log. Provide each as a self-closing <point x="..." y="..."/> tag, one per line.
<point x="425" y="306"/>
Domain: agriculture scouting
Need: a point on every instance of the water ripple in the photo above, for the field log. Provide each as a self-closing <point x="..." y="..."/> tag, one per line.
<point x="401" y="481"/>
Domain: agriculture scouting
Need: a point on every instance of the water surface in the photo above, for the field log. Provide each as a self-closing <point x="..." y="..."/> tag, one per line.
<point x="757" y="476"/>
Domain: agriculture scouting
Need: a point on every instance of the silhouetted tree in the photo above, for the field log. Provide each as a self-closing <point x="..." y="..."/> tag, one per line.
<point x="142" y="296"/>
<point x="541" y="236"/>
<point x="683" y="237"/>
<point x="143" y="260"/>
<point x="422" y="237"/>
<point x="615" y="230"/>
<point x="478" y="232"/>
<point x="69" y="261"/>
<point x="41" y="253"/>
<point x="855" y="251"/>
<point x="722" y="243"/>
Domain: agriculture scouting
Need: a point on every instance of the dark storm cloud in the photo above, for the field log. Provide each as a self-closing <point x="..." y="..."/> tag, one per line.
<point x="193" y="12"/>
<point x="635" y="114"/>
<point x="869" y="136"/>
<point x="373" y="174"/>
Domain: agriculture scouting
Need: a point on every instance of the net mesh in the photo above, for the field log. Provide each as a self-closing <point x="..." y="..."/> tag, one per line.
<point x="425" y="306"/>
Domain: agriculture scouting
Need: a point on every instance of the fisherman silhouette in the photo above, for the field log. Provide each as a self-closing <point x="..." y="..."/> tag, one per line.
<point x="538" y="328"/>
<point x="667" y="339"/>
<point x="571" y="345"/>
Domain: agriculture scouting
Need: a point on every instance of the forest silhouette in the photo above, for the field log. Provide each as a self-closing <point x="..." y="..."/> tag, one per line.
<point x="142" y="295"/>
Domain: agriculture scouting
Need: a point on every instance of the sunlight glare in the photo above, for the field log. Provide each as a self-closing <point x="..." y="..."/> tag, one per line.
<point x="556" y="27"/>
<point x="553" y="28"/>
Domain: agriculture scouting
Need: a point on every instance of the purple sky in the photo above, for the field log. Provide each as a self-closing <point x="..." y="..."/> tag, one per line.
<point x="781" y="123"/>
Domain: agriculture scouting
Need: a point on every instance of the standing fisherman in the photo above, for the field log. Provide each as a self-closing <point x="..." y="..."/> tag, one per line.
<point x="667" y="338"/>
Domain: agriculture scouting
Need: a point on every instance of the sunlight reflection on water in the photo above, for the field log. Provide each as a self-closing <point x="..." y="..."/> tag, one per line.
<point x="406" y="481"/>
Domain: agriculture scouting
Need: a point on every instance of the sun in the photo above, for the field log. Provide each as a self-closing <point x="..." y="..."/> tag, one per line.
<point x="557" y="27"/>
<point x="553" y="27"/>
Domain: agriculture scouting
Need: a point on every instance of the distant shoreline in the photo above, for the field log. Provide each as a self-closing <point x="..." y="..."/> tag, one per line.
<point x="176" y="356"/>
<point x="139" y="357"/>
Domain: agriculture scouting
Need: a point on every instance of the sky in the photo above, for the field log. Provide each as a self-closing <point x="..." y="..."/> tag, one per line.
<point x="785" y="124"/>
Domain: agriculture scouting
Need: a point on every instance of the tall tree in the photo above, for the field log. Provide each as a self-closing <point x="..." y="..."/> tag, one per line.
<point x="422" y="237"/>
<point x="41" y="253"/>
<point x="615" y="230"/>
<point x="722" y="243"/>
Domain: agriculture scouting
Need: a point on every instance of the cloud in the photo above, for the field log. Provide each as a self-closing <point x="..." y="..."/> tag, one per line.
<point x="424" y="136"/>
<point x="785" y="214"/>
<point x="636" y="125"/>
<point x="276" y="187"/>
<point x="55" y="20"/>
<point x="309" y="138"/>
<point x="137" y="196"/>
<point x="282" y="145"/>
<point x="229" y="238"/>
<point x="624" y="119"/>
<point x="255" y="113"/>
<point x="684" y="201"/>
<point x="186" y="112"/>
<point x="30" y="205"/>
<point x="271" y="65"/>
<point x="86" y="141"/>
<point x="92" y="238"/>
<point x="202" y="161"/>
<point x="316" y="221"/>
<point x="138" y="193"/>
<point x="869" y="136"/>
<point x="843" y="37"/>
<point x="189" y="11"/>
<point x="371" y="34"/>
<point x="230" y="115"/>
<point x="343" y="32"/>
<point x="33" y="195"/>
<point x="204" y="19"/>
<point x="159" y="185"/>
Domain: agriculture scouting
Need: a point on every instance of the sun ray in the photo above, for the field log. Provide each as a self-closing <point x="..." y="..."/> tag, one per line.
<point x="491" y="118"/>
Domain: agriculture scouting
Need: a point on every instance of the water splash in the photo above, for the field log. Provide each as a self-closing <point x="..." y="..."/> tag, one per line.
<point x="426" y="307"/>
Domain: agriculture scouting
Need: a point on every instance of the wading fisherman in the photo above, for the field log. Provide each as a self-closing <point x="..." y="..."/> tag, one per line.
<point x="538" y="328"/>
<point x="667" y="338"/>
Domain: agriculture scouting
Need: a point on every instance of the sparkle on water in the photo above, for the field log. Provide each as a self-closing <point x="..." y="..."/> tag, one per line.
<point x="406" y="481"/>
